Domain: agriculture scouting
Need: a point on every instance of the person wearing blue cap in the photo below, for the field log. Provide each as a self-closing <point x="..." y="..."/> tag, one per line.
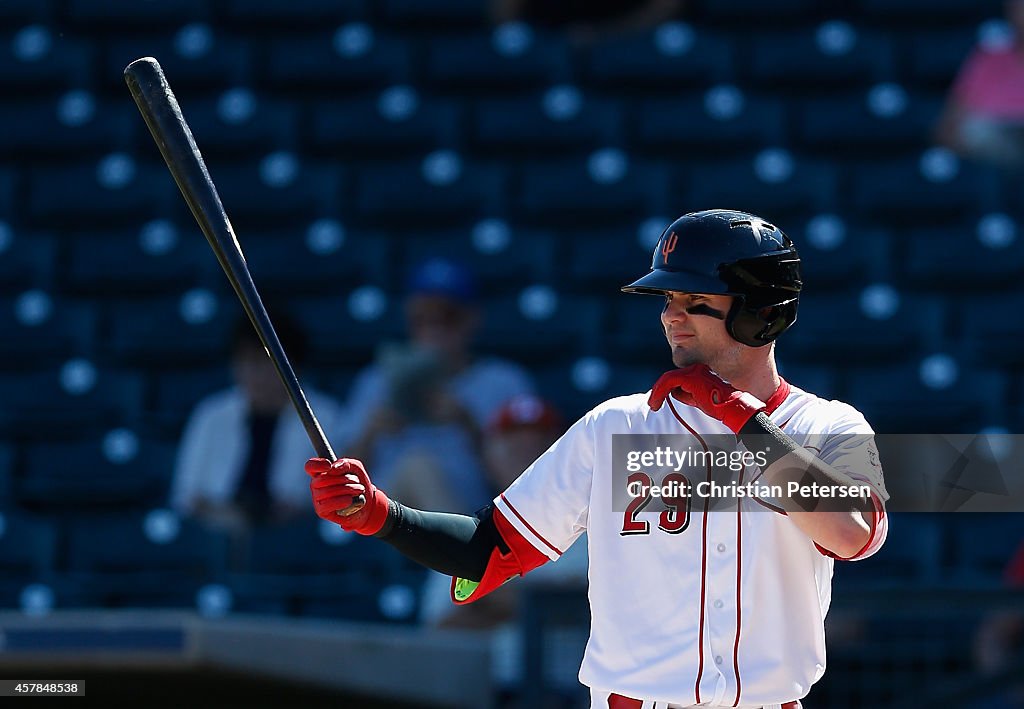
<point x="418" y="409"/>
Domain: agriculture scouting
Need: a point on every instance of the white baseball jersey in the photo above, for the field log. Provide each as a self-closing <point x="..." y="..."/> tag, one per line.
<point x="720" y="609"/>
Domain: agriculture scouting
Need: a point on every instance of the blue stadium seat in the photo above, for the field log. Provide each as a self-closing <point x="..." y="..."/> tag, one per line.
<point x="39" y="329"/>
<point x="8" y="180"/>
<point x="510" y="55"/>
<point x="134" y="15"/>
<point x="113" y="190"/>
<point x="143" y="559"/>
<point x="911" y="555"/>
<point x="27" y="260"/>
<point x="125" y="471"/>
<point x="193" y="56"/>
<point x="635" y="333"/>
<point x="882" y="120"/>
<point x="175" y="392"/>
<point x="18" y="13"/>
<point x="540" y="324"/>
<point x="774" y="183"/>
<point x="346" y="330"/>
<point x="441" y="15"/>
<point x="935" y="56"/>
<point x="835" y="255"/>
<point x="719" y="122"/>
<point x="785" y="11"/>
<point x="502" y="258"/>
<point x="871" y="327"/>
<point x="827" y="56"/>
<point x="561" y="119"/>
<point x="396" y="602"/>
<point x="292" y="263"/>
<point x="946" y="259"/>
<point x="820" y="381"/>
<point x="238" y="122"/>
<point x="932" y="188"/>
<point x="576" y="386"/>
<point x="33" y="61"/>
<point x="29" y="545"/>
<point x="7" y="455"/>
<point x="75" y="122"/>
<point x="278" y="189"/>
<point x="602" y="261"/>
<point x="923" y="11"/>
<point x="895" y="400"/>
<point x="96" y="263"/>
<point x="73" y="401"/>
<point x="192" y="328"/>
<point x="991" y="329"/>
<point x="982" y="544"/>
<point x="589" y="191"/>
<point x="397" y="122"/>
<point x="353" y="56"/>
<point x="278" y="15"/>
<point x="441" y="188"/>
<point x="672" y="55"/>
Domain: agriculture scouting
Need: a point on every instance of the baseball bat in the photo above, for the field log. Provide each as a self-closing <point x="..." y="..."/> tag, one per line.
<point x="160" y="109"/>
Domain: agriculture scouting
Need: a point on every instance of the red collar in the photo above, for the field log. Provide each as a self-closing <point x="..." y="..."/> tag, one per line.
<point x="775" y="400"/>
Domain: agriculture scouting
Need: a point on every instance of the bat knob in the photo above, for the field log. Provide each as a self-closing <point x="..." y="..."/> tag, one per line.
<point x="357" y="504"/>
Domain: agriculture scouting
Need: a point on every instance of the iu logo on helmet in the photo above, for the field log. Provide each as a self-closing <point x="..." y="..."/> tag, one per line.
<point x="668" y="245"/>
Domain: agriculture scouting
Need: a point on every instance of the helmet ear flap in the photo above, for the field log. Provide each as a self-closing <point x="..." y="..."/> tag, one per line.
<point x="758" y="326"/>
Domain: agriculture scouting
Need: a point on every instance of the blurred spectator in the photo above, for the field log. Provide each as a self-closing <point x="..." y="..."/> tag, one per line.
<point x="518" y="434"/>
<point x="999" y="642"/>
<point x="984" y="115"/>
<point x="587" y="22"/>
<point x="236" y="462"/>
<point x="418" y="410"/>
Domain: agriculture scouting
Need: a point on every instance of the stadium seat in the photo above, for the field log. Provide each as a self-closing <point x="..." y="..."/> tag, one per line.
<point x="237" y="122"/>
<point x="33" y="62"/>
<point x="70" y="402"/>
<point x="292" y="263"/>
<point x="991" y="329"/>
<point x="119" y="470"/>
<point x="540" y="324"/>
<point x="126" y="14"/>
<point x="193" y="56"/>
<point x="982" y="544"/>
<point x="277" y="15"/>
<point x="948" y="260"/>
<point x="671" y="55"/>
<point x="560" y="119"/>
<point x="41" y="330"/>
<point x="345" y="331"/>
<point x="836" y="256"/>
<point x="877" y="326"/>
<point x="817" y="380"/>
<point x="444" y="15"/>
<point x="18" y="13"/>
<point x="396" y="122"/>
<point x="440" y="189"/>
<point x="29" y="546"/>
<point x="773" y="183"/>
<point x="74" y="122"/>
<point x="589" y="191"/>
<point x="27" y="260"/>
<point x="353" y="56"/>
<point x="635" y="332"/>
<point x="115" y="190"/>
<point x="911" y="556"/>
<point x="576" y="386"/>
<point x="895" y="400"/>
<point x="511" y="55"/>
<point x="931" y="188"/>
<point x="152" y="559"/>
<point x="8" y="181"/>
<point x="175" y="392"/>
<point x="828" y="56"/>
<point x="501" y="257"/>
<point x="192" y="328"/>
<point x="935" y="56"/>
<point x="922" y="11"/>
<point x="729" y="11"/>
<point x="7" y="454"/>
<point x="97" y="262"/>
<point x="602" y="261"/>
<point x="882" y="120"/>
<point x="720" y="122"/>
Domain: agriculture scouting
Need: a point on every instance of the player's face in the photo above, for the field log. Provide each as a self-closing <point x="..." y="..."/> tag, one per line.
<point x="695" y="329"/>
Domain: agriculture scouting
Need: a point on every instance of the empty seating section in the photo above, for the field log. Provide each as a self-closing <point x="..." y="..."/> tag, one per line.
<point x="349" y="139"/>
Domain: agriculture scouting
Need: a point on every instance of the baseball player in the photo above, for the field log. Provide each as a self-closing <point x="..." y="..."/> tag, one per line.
<point x="690" y="606"/>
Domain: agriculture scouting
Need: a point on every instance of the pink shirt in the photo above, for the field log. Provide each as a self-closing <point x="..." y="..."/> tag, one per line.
<point x="991" y="82"/>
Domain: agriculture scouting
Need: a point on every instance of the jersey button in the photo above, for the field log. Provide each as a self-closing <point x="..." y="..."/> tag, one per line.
<point x="721" y="547"/>
<point x="718" y="604"/>
<point x="718" y="659"/>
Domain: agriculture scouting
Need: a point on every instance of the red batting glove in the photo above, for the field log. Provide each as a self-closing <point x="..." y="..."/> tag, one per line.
<point x="335" y="485"/>
<point x="696" y="385"/>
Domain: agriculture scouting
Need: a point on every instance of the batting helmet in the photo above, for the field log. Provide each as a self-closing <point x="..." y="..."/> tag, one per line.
<point x="721" y="251"/>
